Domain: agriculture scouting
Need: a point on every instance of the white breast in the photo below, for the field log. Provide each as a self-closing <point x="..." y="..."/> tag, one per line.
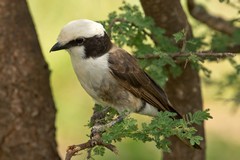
<point x="90" y="71"/>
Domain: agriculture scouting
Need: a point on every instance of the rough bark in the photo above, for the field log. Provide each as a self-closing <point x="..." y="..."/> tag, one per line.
<point x="184" y="91"/>
<point x="27" y="111"/>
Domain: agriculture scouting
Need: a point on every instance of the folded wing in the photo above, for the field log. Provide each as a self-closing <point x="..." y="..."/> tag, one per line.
<point x="125" y="68"/>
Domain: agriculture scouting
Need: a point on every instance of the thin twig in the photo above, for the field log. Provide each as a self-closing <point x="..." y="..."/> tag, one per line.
<point x="186" y="62"/>
<point x="89" y="153"/>
<point x="184" y="41"/>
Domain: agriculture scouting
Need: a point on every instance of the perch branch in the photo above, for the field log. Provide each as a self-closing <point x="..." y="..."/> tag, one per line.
<point x="103" y="127"/>
<point x="96" y="136"/>
<point x="94" y="141"/>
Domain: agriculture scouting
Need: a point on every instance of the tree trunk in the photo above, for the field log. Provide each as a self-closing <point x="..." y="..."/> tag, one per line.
<point x="27" y="111"/>
<point x="184" y="91"/>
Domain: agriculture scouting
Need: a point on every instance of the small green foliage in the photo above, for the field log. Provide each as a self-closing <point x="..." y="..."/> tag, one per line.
<point x="179" y="36"/>
<point x="159" y="129"/>
<point x="195" y="44"/>
<point x="120" y="130"/>
<point x="198" y="117"/>
<point x="193" y="58"/>
<point x="192" y="44"/>
<point x="205" y="71"/>
<point x="99" y="150"/>
<point x="221" y="42"/>
<point x="196" y="140"/>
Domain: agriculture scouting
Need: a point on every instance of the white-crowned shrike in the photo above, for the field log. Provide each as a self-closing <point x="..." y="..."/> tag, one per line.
<point x="109" y="74"/>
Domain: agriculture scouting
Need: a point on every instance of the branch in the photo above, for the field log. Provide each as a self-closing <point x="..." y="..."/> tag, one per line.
<point x="217" y="23"/>
<point x="94" y="141"/>
<point x="95" y="136"/>
<point x="203" y="55"/>
<point x="184" y="41"/>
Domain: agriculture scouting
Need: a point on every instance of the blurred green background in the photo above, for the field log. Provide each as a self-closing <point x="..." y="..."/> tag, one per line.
<point x="74" y="105"/>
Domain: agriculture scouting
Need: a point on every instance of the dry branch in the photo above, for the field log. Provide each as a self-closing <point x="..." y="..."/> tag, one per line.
<point x="94" y="141"/>
<point x="217" y="23"/>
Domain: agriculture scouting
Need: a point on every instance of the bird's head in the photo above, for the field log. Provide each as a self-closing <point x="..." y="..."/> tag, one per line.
<point x="84" y="38"/>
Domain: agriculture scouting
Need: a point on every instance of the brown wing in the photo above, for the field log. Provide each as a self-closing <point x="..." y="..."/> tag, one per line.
<point x="124" y="67"/>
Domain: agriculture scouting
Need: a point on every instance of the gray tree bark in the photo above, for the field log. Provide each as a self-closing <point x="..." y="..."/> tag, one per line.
<point x="27" y="110"/>
<point x="184" y="91"/>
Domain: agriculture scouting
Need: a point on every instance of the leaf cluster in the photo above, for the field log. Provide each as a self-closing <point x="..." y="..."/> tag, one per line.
<point x="158" y="130"/>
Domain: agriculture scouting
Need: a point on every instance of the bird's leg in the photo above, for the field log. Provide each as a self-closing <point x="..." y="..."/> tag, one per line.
<point x="100" y="121"/>
<point x="99" y="125"/>
<point x="102" y="128"/>
<point x="98" y="114"/>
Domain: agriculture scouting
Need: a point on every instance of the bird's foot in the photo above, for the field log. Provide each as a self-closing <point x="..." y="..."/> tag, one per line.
<point x="99" y="114"/>
<point x="102" y="128"/>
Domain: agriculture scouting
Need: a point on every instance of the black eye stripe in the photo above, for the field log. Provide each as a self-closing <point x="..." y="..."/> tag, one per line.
<point x="94" y="46"/>
<point x="80" y="40"/>
<point x="76" y="42"/>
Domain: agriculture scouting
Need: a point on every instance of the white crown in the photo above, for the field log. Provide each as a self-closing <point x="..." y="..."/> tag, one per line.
<point x="80" y="28"/>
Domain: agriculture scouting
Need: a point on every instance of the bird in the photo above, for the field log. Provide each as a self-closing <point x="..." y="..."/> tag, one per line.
<point x="108" y="73"/>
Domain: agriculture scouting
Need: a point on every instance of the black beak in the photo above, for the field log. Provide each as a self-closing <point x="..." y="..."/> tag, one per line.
<point x="57" y="47"/>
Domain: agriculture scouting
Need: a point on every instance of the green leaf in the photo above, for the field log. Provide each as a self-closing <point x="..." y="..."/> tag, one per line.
<point x="196" y="140"/>
<point x="179" y="36"/>
<point x="199" y="116"/>
<point x="193" y="58"/>
<point x="98" y="150"/>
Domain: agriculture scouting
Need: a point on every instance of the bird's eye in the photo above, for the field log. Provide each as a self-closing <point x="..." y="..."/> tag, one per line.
<point x="79" y="41"/>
